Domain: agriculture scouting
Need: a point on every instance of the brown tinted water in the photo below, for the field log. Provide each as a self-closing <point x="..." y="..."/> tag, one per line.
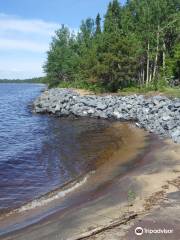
<point x="108" y="151"/>
<point x="40" y="153"/>
<point x="49" y="165"/>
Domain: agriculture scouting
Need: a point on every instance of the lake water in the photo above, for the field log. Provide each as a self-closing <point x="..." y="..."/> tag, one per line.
<point x="39" y="153"/>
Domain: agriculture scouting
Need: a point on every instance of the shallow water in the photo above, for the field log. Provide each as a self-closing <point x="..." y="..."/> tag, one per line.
<point x="39" y="153"/>
<point x="50" y="166"/>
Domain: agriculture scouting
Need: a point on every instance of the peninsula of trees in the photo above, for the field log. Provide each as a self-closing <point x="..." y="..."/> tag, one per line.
<point x="137" y="44"/>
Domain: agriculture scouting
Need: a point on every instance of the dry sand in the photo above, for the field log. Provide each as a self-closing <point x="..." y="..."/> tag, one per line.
<point x="158" y="203"/>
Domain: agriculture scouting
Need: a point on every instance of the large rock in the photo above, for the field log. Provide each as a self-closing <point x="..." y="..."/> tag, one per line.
<point x="157" y="114"/>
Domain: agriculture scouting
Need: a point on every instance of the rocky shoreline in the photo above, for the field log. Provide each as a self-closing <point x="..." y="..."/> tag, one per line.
<point x="157" y="114"/>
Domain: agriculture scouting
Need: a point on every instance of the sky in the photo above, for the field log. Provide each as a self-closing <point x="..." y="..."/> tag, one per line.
<point x="27" y="26"/>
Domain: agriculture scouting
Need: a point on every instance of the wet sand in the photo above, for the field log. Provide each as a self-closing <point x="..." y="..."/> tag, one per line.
<point x="156" y="205"/>
<point x="127" y="175"/>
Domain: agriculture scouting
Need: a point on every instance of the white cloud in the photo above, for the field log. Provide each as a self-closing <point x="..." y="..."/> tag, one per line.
<point x="27" y="45"/>
<point x="13" y="23"/>
<point x="28" y="38"/>
<point x="27" y="35"/>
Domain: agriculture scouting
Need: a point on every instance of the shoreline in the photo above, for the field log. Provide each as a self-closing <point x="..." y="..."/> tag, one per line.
<point x="123" y="192"/>
<point x="157" y="114"/>
<point x="102" y="209"/>
<point x="115" y="157"/>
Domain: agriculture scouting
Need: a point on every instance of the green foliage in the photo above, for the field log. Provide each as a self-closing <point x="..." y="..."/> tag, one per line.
<point x="112" y="21"/>
<point x="62" y="57"/>
<point x="98" y="24"/>
<point x="171" y="92"/>
<point x="135" y="89"/>
<point x="82" y="85"/>
<point x="136" y="46"/>
<point x="173" y="63"/>
<point x="30" y="80"/>
<point x="131" y="197"/>
<point x="150" y="90"/>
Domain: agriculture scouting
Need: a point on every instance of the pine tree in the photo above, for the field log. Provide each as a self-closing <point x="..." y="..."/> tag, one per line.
<point x="98" y="24"/>
<point x="62" y="59"/>
<point x="137" y="45"/>
<point x="112" y="17"/>
<point x="87" y="31"/>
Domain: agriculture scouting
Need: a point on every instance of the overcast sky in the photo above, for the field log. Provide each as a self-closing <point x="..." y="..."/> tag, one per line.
<point x="27" y="26"/>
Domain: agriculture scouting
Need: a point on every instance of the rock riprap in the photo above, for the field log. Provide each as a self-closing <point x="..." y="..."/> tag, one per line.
<point x="157" y="114"/>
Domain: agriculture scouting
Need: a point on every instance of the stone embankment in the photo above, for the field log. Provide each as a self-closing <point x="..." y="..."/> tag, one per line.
<point x="157" y="114"/>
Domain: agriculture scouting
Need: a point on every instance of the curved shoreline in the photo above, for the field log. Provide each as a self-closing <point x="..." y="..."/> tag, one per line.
<point x="104" y="198"/>
<point x="72" y="194"/>
<point x="102" y="202"/>
<point x="157" y="114"/>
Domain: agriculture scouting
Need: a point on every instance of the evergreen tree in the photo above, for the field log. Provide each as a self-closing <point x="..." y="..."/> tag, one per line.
<point x="112" y="20"/>
<point x="173" y="66"/>
<point x="98" y="24"/>
<point x="137" y="45"/>
<point x="62" y="59"/>
<point x="87" y="31"/>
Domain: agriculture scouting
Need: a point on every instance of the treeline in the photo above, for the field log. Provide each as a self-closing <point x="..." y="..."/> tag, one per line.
<point x="137" y="44"/>
<point x="30" y="80"/>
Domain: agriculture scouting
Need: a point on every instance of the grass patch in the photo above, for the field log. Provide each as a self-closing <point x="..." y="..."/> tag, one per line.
<point x="82" y="85"/>
<point x="171" y="92"/>
<point x="149" y="91"/>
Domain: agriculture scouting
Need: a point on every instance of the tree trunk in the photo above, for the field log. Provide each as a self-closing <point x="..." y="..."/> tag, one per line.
<point x="150" y="77"/>
<point x="143" y="76"/>
<point x="139" y="78"/>
<point x="157" y="53"/>
<point x="147" y="66"/>
<point x="164" y="58"/>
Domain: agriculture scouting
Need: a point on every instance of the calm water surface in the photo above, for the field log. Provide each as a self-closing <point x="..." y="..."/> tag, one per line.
<point x="39" y="153"/>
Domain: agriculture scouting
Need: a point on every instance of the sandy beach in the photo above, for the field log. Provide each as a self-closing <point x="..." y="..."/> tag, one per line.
<point x="129" y="184"/>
